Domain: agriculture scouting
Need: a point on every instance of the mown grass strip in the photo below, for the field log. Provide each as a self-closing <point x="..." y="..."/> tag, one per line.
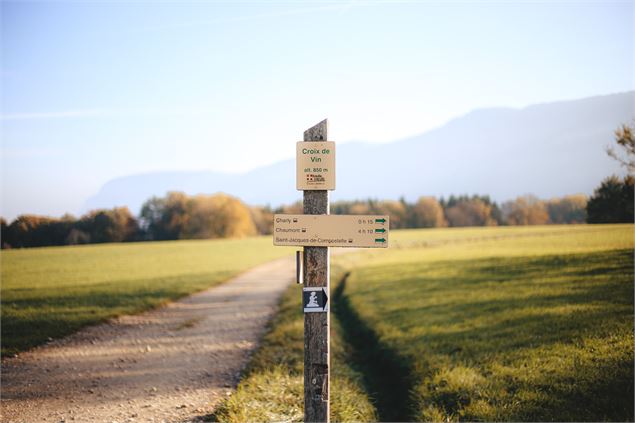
<point x="54" y="291"/>
<point x="535" y="328"/>
<point x="387" y="376"/>
<point x="272" y="386"/>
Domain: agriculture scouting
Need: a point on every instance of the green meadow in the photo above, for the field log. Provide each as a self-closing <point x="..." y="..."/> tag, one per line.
<point x="477" y="324"/>
<point x="51" y="292"/>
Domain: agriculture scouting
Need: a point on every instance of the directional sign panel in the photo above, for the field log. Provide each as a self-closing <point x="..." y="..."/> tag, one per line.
<point x="315" y="300"/>
<point x="322" y="230"/>
<point x="315" y="165"/>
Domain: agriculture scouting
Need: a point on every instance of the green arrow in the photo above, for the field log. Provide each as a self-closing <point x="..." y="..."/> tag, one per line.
<point x="380" y="240"/>
<point x="382" y="230"/>
<point x="380" y="220"/>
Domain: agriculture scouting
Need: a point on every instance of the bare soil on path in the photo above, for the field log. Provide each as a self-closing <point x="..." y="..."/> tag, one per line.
<point x="172" y="364"/>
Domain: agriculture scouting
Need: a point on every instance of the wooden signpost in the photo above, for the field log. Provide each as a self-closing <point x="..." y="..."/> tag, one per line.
<point x="316" y="325"/>
<point x="316" y="231"/>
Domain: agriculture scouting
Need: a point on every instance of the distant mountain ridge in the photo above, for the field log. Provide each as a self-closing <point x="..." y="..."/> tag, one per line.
<point x="550" y="150"/>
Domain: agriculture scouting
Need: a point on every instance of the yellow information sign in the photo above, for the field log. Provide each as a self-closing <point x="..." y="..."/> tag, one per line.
<point x="324" y="230"/>
<point x="315" y="165"/>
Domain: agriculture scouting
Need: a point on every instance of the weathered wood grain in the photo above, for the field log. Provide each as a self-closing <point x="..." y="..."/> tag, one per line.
<point x="316" y="325"/>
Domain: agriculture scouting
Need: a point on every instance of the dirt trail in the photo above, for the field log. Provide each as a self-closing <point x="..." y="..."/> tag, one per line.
<point x="172" y="364"/>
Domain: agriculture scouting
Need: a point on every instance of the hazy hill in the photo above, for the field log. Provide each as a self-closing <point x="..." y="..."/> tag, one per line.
<point x="549" y="150"/>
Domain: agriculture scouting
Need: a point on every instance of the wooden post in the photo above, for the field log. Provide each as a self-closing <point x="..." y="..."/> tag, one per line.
<point x="316" y="325"/>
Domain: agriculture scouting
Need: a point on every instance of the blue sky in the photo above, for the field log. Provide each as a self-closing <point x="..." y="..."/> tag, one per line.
<point x="96" y="90"/>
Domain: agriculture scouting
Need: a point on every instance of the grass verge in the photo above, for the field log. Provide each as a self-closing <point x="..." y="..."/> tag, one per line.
<point x="52" y="292"/>
<point x="272" y="386"/>
<point x="505" y="324"/>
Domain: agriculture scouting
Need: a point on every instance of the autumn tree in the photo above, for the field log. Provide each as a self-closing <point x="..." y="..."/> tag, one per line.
<point x="352" y="207"/>
<point x="395" y="209"/>
<point x="37" y="231"/>
<point x="398" y="210"/>
<point x="568" y="209"/>
<point x="31" y="231"/>
<point x="359" y="208"/>
<point x="368" y="206"/>
<point x="469" y="212"/>
<point x="217" y="216"/>
<point x="525" y="210"/>
<point x="625" y="153"/>
<point x="427" y="213"/>
<point x="19" y="232"/>
<point x="164" y="218"/>
<point x="263" y="219"/>
<point x="114" y="225"/>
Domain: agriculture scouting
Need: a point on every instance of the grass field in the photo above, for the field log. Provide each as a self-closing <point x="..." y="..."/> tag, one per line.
<point x="515" y="324"/>
<point x="51" y="292"/>
<point x="480" y="324"/>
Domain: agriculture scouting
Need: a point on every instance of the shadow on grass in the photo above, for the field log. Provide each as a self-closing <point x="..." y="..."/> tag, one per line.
<point x="601" y="392"/>
<point x="555" y="328"/>
<point x="573" y="295"/>
<point x="386" y="375"/>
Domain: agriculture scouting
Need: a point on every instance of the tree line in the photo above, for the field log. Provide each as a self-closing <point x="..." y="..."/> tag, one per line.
<point x="179" y="216"/>
<point x="475" y="210"/>
<point x="114" y="225"/>
<point x="175" y="216"/>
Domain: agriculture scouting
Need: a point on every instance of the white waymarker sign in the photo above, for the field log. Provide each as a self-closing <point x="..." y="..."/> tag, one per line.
<point x="326" y="230"/>
<point x="315" y="165"/>
<point x="315" y="299"/>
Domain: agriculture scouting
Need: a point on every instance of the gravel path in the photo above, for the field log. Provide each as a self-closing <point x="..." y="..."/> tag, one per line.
<point x="172" y="364"/>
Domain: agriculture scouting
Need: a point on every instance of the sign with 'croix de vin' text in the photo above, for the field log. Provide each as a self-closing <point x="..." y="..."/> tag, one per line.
<point x="315" y="165"/>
